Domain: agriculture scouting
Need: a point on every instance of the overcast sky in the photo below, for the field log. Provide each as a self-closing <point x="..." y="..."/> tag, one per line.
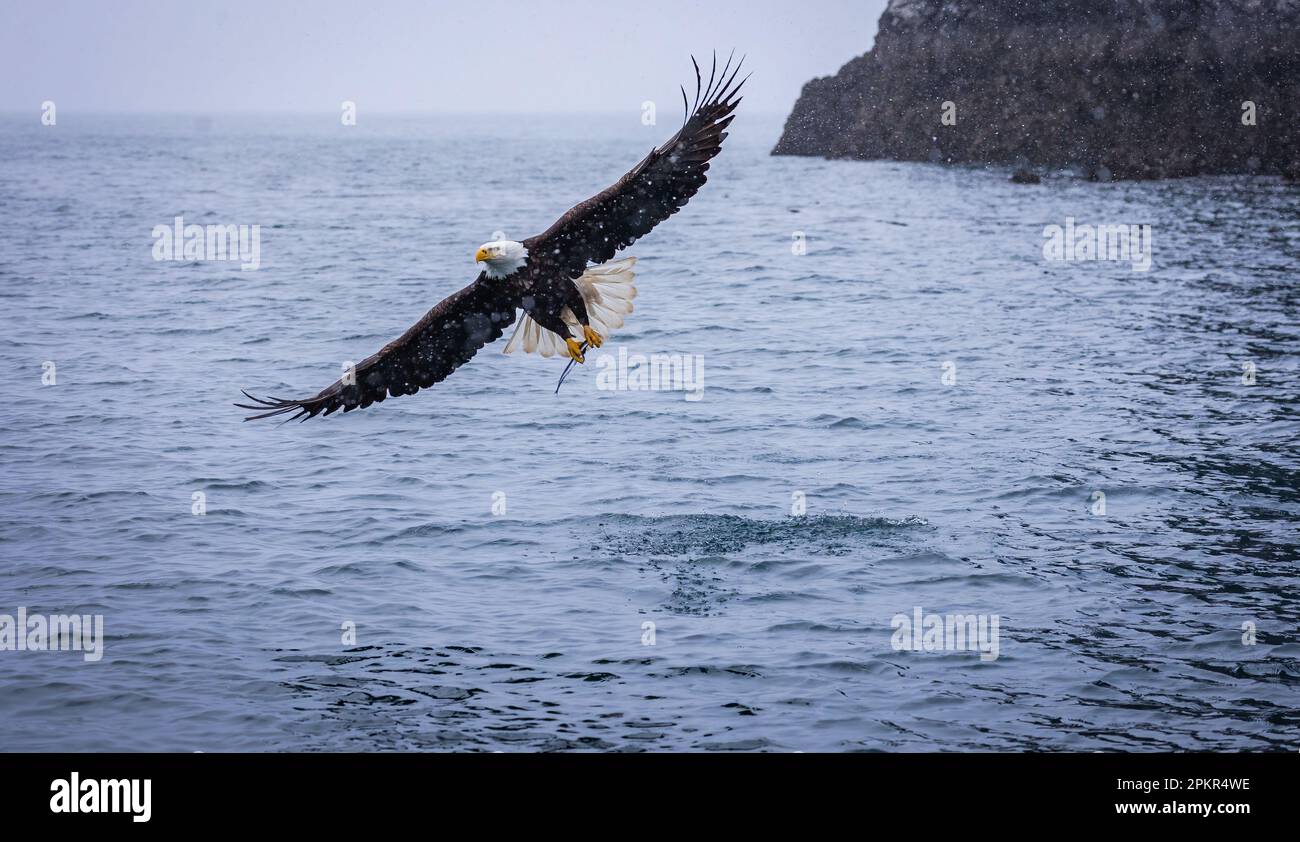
<point x="409" y="55"/>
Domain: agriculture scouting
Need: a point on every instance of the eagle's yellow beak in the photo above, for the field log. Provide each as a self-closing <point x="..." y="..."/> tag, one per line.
<point x="481" y="255"/>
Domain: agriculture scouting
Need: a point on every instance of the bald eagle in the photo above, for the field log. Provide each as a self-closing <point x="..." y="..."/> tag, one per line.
<point x="565" y="280"/>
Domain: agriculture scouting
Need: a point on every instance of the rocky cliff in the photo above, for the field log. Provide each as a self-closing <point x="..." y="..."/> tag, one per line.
<point x="1109" y="88"/>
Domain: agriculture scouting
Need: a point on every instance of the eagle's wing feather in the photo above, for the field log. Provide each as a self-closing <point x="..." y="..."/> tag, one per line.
<point x="655" y="189"/>
<point x="448" y="336"/>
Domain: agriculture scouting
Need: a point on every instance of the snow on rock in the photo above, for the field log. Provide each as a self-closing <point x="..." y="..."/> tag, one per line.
<point x="1123" y="89"/>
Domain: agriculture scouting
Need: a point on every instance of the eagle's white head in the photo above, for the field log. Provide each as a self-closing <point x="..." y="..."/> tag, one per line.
<point x="501" y="257"/>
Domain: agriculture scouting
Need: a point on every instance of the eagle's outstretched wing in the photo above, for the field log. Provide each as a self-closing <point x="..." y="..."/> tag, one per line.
<point x="447" y="337"/>
<point x="655" y="189"/>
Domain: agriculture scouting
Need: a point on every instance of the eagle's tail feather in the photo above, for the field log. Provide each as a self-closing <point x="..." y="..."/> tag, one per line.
<point x="532" y="338"/>
<point x="607" y="291"/>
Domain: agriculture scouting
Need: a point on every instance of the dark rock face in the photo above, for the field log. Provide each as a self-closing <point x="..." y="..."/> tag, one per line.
<point x="1113" y="88"/>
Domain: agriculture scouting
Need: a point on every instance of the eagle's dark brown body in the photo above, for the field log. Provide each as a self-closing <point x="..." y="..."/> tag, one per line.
<point x="590" y="233"/>
<point x="547" y="291"/>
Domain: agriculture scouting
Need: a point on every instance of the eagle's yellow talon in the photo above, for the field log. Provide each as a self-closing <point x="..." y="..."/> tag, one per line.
<point x="592" y="337"/>
<point x="575" y="350"/>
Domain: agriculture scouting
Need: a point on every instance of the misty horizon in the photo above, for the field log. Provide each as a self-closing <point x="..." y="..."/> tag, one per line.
<point x="492" y="57"/>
